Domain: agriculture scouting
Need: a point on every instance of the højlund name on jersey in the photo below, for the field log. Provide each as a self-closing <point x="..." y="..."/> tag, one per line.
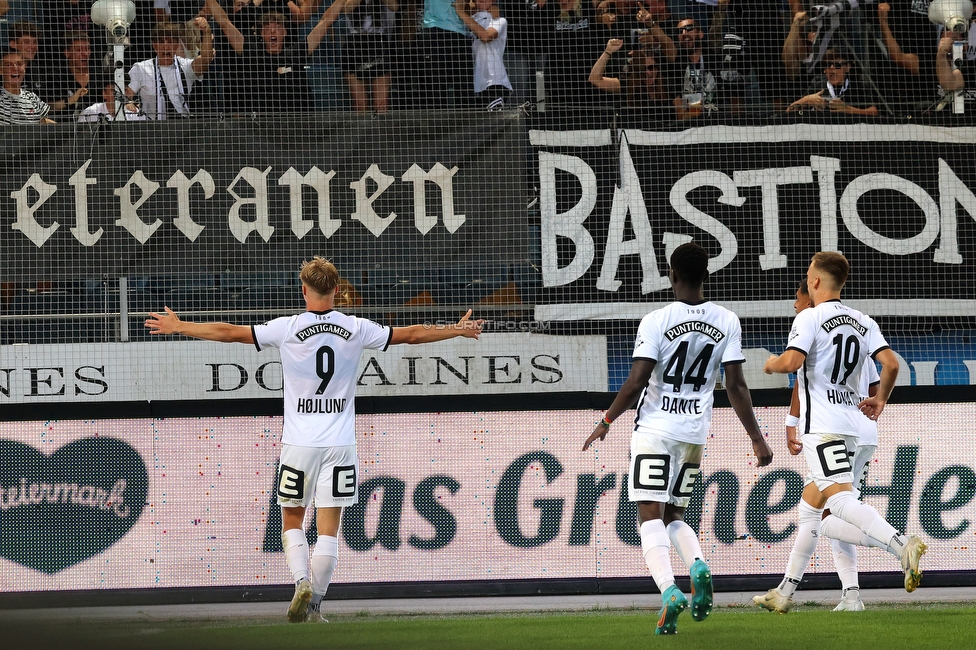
<point x="698" y="326"/>
<point x="843" y="397"/>
<point x="681" y="406"/>
<point x="323" y="328"/>
<point x="844" y="319"/>
<point x="319" y="405"/>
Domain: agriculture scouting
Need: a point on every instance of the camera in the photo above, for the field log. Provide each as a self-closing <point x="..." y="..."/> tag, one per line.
<point x="953" y="14"/>
<point x="819" y="13"/>
<point x="115" y="16"/>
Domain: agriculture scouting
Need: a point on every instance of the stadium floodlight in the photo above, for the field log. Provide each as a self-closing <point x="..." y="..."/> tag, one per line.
<point x="115" y="16"/>
<point x="954" y="15"/>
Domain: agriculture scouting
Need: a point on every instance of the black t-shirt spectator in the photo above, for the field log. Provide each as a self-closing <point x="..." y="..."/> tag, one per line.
<point x="274" y="83"/>
<point x="573" y="41"/>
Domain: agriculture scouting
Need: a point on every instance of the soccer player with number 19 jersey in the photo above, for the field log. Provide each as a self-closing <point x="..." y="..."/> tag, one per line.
<point x="320" y="351"/>
<point x="827" y="348"/>
<point x="677" y="357"/>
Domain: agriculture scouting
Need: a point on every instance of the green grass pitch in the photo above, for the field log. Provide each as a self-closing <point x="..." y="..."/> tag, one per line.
<point x="888" y="627"/>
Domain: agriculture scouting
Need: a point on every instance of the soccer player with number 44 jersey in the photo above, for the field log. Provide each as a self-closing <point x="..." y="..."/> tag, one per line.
<point x="827" y="348"/>
<point x="677" y="357"/>
<point x="320" y="351"/>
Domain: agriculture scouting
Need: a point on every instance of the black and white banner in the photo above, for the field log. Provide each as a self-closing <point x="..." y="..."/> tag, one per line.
<point x="897" y="200"/>
<point x="205" y="196"/>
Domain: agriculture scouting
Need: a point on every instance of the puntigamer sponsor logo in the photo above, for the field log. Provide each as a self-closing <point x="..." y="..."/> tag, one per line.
<point x="710" y="331"/>
<point x="61" y="509"/>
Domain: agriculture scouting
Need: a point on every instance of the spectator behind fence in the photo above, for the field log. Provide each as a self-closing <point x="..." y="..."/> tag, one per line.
<point x="107" y="110"/>
<point x="644" y="82"/>
<point x="274" y="76"/>
<point x="231" y="25"/>
<point x="797" y="47"/>
<point x="367" y="57"/>
<point x="491" y="85"/>
<point x="523" y="46"/>
<point x="657" y="30"/>
<point x="838" y="94"/>
<point x="165" y="83"/>
<point x="698" y="85"/>
<point x="25" y="39"/>
<point x="18" y="105"/>
<point x="573" y="41"/>
<point x="724" y="46"/>
<point x="69" y="86"/>
<point x="447" y="68"/>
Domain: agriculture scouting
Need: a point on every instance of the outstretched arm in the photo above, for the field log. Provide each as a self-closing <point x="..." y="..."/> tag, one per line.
<point x="207" y="51"/>
<point x="951" y="80"/>
<point x="907" y="61"/>
<point x="482" y="34"/>
<point x="431" y="333"/>
<point x="170" y="323"/>
<point x="233" y="35"/>
<point x="636" y="382"/>
<point x="741" y="400"/>
<point x="321" y="28"/>
<point x="794" y="47"/>
<point x="609" y="84"/>
<point x="303" y="9"/>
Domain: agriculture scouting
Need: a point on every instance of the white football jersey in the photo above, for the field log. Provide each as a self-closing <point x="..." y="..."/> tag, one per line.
<point x="320" y="354"/>
<point x="688" y="342"/>
<point x="836" y="340"/>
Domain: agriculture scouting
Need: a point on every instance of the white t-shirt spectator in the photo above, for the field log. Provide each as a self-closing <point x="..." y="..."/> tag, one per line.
<point x="147" y="79"/>
<point x="489" y="68"/>
<point x="99" y="111"/>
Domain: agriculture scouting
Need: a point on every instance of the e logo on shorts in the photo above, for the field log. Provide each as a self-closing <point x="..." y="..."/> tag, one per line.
<point x="834" y="458"/>
<point x="291" y="483"/>
<point x="687" y="477"/>
<point x="344" y="481"/>
<point x="652" y="471"/>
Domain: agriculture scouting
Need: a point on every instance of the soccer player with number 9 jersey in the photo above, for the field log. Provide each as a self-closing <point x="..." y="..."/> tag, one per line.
<point x="320" y="350"/>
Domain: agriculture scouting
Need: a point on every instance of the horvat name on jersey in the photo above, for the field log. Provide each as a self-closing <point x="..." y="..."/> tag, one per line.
<point x="844" y="397"/>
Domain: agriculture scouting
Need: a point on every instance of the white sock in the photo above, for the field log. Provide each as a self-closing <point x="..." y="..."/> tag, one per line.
<point x="656" y="548"/>
<point x="807" y="535"/>
<point x="685" y="541"/>
<point x="324" y="558"/>
<point x="869" y="520"/>
<point x="838" y="529"/>
<point x="845" y="561"/>
<point x="296" y="552"/>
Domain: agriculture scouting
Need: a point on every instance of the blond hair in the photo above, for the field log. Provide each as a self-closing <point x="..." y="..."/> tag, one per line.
<point x="320" y="275"/>
<point x="834" y="265"/>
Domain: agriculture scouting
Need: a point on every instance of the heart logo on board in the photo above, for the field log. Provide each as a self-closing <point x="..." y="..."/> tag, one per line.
<point x="59" y="510"/>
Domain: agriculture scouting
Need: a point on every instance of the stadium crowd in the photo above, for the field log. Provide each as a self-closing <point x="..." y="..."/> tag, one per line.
<point x="669" y="59"/>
